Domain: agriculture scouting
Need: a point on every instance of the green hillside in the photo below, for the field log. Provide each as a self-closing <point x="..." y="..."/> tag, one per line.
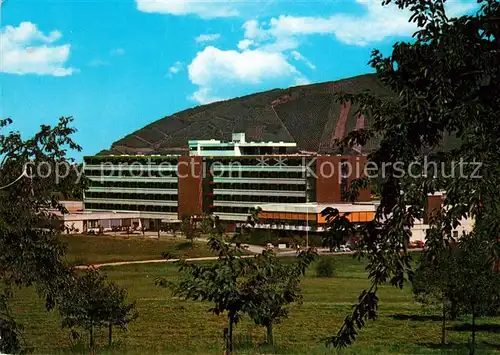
<point x="307" y="115"/>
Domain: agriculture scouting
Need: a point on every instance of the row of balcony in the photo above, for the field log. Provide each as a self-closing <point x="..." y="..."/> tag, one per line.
<point x="133" y="178"/>
<point x="260" y="192"/>
<point x="109" y="207"/>
<point x="242" y="180"/>
<point x="130" y="201"/>
<point x="124" y="190"/>
<point x="138" y="167"/>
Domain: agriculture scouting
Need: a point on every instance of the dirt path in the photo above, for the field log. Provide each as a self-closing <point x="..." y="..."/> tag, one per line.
<point x="207" y="258"/>
<point x="120" y="263"/>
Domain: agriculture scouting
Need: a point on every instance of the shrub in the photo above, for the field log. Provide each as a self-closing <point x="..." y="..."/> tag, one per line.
<point x="325" y="268"/>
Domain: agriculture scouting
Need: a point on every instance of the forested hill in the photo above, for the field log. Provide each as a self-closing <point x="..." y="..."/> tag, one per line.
<point x="307" y="115"/>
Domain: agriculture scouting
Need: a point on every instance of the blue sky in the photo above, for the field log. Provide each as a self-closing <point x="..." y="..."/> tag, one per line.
<point x="117" y="65"/>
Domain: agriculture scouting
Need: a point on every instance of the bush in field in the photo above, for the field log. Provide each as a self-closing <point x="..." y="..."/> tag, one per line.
<point x="325" y="268"/>
<point x="261" y="287"/>
<point x="92" y="303"/>
<point x="271" y="286"/>
<point x="218" y="282"/>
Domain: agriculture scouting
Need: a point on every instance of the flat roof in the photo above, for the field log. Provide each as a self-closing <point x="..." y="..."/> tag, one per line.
<point x="313" y="207"/>
<point x="244" y="144"/>
<point x="159" y="156"/>
<point x="283" y="144"/>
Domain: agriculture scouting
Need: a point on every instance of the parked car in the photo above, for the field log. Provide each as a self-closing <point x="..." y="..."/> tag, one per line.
<point x="344" y="248"/>
<point x="420" y="244"/>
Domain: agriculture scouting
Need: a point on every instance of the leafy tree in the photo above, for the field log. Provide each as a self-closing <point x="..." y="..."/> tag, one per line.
<point x="272" y="285"/>
<point x="91" y="303"/>
<point x="443" y="87"/>
<point x="74" y="172"/>
<point x="188" y="229"/>
<point x="31" y="183"/>
<point x="477" y="283"/>
<point x="435" y="284"/>
<point x="219" y="283"/>
<point x="460" y="279"/>
<point x="207" y="223"/>
<point x="173" y="228"/>
<point x="339" y="228"/>
<point x="117" y="311"/>
<point x="219" y="226"/>
<point x="84" y="304"/>
<point x="260" y="286"/>
<point x="9" y="330"/>
<point x="254" y="215"/>
<point x="252" y="220"/>
<point x="247" y="231"/>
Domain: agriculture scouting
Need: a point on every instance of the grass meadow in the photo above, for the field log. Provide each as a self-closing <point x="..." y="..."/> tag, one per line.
<point x="168" y="325"/>
<point x="86" y="249"/>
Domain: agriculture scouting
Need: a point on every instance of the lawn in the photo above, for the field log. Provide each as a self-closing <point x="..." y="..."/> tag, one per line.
<point x="168" y="325"/>
<point x="85" y="249"/>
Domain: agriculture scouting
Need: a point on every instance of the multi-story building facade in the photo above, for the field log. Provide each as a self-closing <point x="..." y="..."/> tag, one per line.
<point x="226" y="179"/>
<point x="138" y="185"/>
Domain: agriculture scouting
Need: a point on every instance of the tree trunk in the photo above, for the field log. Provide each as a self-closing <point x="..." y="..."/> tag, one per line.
<point x="226" y="341"/>
<point x="270" y="339"/>
<point x="473" y="344"/>
<point x="443" y="325"/>
<point x="91" y="333"/>
<point x="230" y="336"/>
<point x="454" y="311"/>
<point x="110" y="334"/>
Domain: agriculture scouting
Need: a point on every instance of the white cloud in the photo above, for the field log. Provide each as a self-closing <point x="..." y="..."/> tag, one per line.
<point x="299" y="57"/>
<point x="208" y="37"/>
<point x="26" y="50"/>
<point x="175" y="68"/>
<point x="253" y="30"/>
<point x="245" y="44"/>
<point x="281" y="44"/>
<point x="118" y="51"/>
<point x="205" y="96"/>
<point x="455" y="8"/>
<point x="263" y="55"/>
<point x="376" y="24"/>
<point x="301" y="80"/>
<point x="201" y="8"/>
<point x="213" y="68"/>
<point x="213" y="64"/>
